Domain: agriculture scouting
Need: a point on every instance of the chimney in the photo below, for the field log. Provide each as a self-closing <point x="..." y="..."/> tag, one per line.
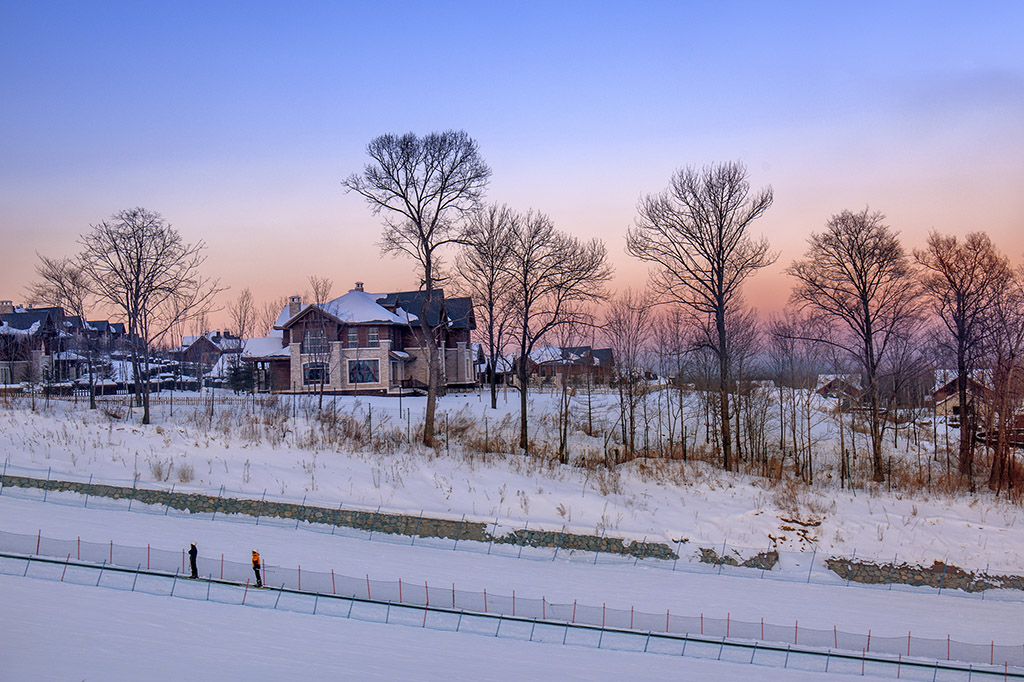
<point x="294" y="305"/>
<point x="6" y="307"/>
<point x="359" y="286"/>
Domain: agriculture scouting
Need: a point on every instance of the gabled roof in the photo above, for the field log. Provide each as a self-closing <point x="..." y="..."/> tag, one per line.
<point x="459" y="311"/>
<point x="25" y="320"/>
<point x="355" y="307"/>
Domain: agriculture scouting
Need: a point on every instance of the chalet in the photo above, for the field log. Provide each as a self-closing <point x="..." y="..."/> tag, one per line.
<point x="571" y="361"/>
<point x="198" y="355"/>
<point x="946" y="395"/>
<point x="44" y="344"/>
<point x="29" y="338"/>
<point x="844" y="388"/>
<point x="364" y="343"/>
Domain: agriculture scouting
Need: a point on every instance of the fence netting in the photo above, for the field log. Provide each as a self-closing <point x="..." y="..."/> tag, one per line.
<point x="449" y="596"/>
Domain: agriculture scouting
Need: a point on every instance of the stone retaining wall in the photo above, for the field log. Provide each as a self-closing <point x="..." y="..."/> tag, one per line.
<point x="377" y="522"/>
<point x="937" y="575"/>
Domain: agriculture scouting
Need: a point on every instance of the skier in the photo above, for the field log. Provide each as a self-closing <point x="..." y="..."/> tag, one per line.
<point x="256" y="568"/>
<point x="192" y="554"/>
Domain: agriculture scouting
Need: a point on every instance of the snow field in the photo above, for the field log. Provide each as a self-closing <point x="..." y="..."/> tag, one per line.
<point x="288" y="458"/>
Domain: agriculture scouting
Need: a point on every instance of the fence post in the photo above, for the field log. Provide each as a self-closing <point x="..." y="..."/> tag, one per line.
<point x="849" y="574"/>
<point x="3" y="477"/>
<point x="167" y="506"/>
<point x="561" y="533"/>
<point x="809" y="568"/>
<point x="333" y="588"/>
<point x="337" y="515"/>
<point x="216" y="506"/>
<point x="373" y="524"/>
<point x="136" y="579"/>
<point x="679" y="546"/>
<point x="135" y="483"/>
<point x="523" y="541"/>
<point x="298" y="517"/>
<point x="46" y="486"/>
<point x="642" y="544"/>
<point x="459" y="535"/>
<point x="416" y="530"/>
<point x="66" y="570"/>
<point x="259" y="512"/>
<point x="892" y="569"/>
<point x="493" y="531"/>
<point x="87" y="491"/>
<point x="368" y="586"/>
<point x="39" y="539"/>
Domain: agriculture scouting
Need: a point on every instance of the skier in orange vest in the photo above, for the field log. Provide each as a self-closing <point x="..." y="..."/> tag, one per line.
<point x="256" y="566"/>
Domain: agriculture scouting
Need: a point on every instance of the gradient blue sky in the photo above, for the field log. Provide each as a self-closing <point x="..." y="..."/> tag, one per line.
<point x="237" y="122"/>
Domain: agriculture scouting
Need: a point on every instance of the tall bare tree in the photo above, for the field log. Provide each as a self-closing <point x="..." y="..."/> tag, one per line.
<point x="423" y="186"/>
<point x="321" y="349"/>
<point x="63" y="282"/>
<point x="138" y="264"/>
<point x="243" y="314"/>
<point x="1008" y="374"/>
<point x="697" y="234"/>
<point x="627" y="327"/>
<point x="482" y="269"/>
<point x="551" y="276"/>
<point x="856" y="274"/>
<point x="267" y="314"/>
<point x="963" y="280"/>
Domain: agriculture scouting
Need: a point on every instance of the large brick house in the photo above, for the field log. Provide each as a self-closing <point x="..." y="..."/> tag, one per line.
<point x="364" y="343"/>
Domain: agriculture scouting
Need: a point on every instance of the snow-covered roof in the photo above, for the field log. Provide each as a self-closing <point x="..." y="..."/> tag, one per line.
<point x="265" y="346"/>
<point x="850" y="379"/>
<point x="552" y="354"/>
<point x="14" y="331"/>
<point x="360" y="307"/>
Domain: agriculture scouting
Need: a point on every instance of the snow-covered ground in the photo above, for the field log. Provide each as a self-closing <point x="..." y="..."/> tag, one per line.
<point x="288" y="452"/>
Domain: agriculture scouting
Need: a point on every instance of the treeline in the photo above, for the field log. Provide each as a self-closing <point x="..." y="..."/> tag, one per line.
<point x="861" y="304"/>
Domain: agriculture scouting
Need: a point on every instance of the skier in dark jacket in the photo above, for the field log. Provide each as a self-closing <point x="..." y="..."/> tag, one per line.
<point x="256" y="566"/>
<point x="192" y="554"/>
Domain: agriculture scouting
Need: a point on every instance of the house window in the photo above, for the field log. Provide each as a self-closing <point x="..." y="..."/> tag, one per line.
<point x="363" y="371"/>
<point x="353" y="337"/>
<point x="315" y="373"/>
<point x="314" y="341"/>
<point x="374" y="341"/>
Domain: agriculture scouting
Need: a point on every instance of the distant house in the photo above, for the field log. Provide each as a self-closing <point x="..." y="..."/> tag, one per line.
<point x="844" y="388"/>
<point x="363" y="342"/>
<point x="571" y="361"/>
<point x="198" y="355"/>
<point x="946" y="396"/>
<point x="44" y="344"/>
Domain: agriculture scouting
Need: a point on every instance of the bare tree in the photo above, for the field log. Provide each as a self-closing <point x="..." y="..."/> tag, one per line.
<point x="320" y="349"/>
<point x="856" y="274"/>
<point x="243" y="314"/>
<point x="1008" y="375"/>
<point x="551" y="275"/>
<point x="63" y="282"/>
<point x="482" y="269"/>
<point x="423" y="186"/>
<point x="963" y="281"/>
<point x="627" y="327"/>
<point x="697" y="233"/>
<point x="137" y="263"/>
<point x="267" y="314"/>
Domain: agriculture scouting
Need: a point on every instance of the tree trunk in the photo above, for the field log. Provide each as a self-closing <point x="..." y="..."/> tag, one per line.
<point x="524" y="443"/>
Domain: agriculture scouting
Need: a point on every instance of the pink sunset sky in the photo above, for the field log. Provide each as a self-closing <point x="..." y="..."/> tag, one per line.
<point x="238" y="122"/>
